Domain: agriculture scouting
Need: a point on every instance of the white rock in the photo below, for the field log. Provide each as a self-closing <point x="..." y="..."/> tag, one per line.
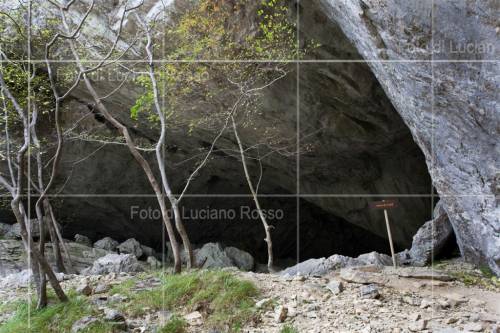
<point x="336" y="287"/>
<point x="107" y="243"/>
<point x="418" y="326"/>
<point x="474" y="327"/>
<point x="131" y="246"/>
<point x="83" y="324"/>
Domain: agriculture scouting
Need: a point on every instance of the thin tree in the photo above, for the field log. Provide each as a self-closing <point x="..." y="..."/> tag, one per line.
<point x="122" y="129"/>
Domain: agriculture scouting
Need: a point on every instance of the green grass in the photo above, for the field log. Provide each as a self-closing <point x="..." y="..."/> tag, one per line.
<point x="223" y="299"/>
<point x="58" y="317"/>
<point x="488" y="282"/>
<point x="289" y="329"/>
<point x="174" y="325"/>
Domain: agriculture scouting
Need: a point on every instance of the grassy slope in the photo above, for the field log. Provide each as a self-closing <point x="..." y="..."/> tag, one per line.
<point x="224" y="301"/>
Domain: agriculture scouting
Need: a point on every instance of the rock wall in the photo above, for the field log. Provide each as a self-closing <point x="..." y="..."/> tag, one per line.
<point x="360" y="122"/>
<point x="451" y="108"/>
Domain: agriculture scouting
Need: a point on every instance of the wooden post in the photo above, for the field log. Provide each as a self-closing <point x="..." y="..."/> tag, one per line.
<point x="390" y="237"/>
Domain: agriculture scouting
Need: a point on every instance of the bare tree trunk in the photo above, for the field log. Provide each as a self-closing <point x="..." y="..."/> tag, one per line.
<point x="56" y="246"/>
<point x="59" y="236"/>
<point x="267" y="227"/>
<point x="133" y="150"/>
<point x="16" y="189"/>
<point x="33" y="252"/>
<point x="159" y="152"/>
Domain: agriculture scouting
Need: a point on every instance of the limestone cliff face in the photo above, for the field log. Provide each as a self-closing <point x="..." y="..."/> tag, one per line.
<point x="451" y="108"/>
<point x="374" y="127"/>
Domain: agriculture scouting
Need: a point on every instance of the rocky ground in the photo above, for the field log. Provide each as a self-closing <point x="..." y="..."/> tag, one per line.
<point x="378" y="300"/>
<point x="451" y="298"/>
<point x="123" y="287"/>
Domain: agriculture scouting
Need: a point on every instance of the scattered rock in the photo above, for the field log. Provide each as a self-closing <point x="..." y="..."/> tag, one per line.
<point x="84" y="289"/>
<point x="241" y="259"/>
<point x="418" y="326"/>
<point x="193" y="318"/>
<point x="164" y="316"/>
<point x="114" y="263"/>
<point x="319" y="267"/>
<point x="153" y="262"/>
<point x="211" y="255"/>
<point x="375" y="258"/>
<point x="131" y="246"/>
<point x="14" y="231"/>
<point x="17" y="280"/>
<point x="280" y="313"/>
<point x="362" y="277"/>
<point x="415" y="316"/>
<point x="411" y="300"/>
<point x="82" y="256"/>
<point x="473" y="327"/>
<point x="84" y="240"/>
<point x="107" y="243"/>
<point x="148" y="251"/>
<point x="425" y="303"/>
<point x="336" y="287"/>
<point x="369" y="291"/>
<point x="113" y="315"/>
<point x="83" y="324"/>
<point x="4" y="228"/>
<point x="101" y="288"/>
<point x="443" y="303"/>
<point x="117" y="298"/>
<point x="448" y="330"/>
<point x="262" y="302"/>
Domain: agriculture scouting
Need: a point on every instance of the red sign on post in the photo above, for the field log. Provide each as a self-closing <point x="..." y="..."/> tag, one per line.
<point x="384" y="204"/>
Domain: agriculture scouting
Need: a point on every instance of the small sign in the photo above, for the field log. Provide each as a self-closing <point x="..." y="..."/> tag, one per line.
<point x="384" y="204"/>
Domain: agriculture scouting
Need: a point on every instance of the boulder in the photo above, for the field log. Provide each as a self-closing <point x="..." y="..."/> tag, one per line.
<point x="16" y="280"/>
<point x="82" y="256"/>
<point x="336" y="287"/>
<point x="212" y="255"/>
<point x="84" y="289"/>
<point x="14" y="231"/>
<point x="107" y="243"/>
<point x="131" y="246"/>
<point x="322" y="266"/>
<point x="12" y="257"/>
<point x="184" y="258"/>
<point x="241" y="259"/>
<point x="375" y="258"/>
<point x="113" y="315"/>
<point x="83" y="324"/>
<point x="430" y="239"/>
<point x="319" y="267"/>
<point x="114" y="263"/>
<point x="424" y="273"/>
<point x="153" y="262"/>
<point x="101" y="288"/>
<point x="148" y="251"/>
<point x="84" y="240"/>
<point x="4" y="229"/>
<point x="369" y="291"/>
<point x="355" y="275"/>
